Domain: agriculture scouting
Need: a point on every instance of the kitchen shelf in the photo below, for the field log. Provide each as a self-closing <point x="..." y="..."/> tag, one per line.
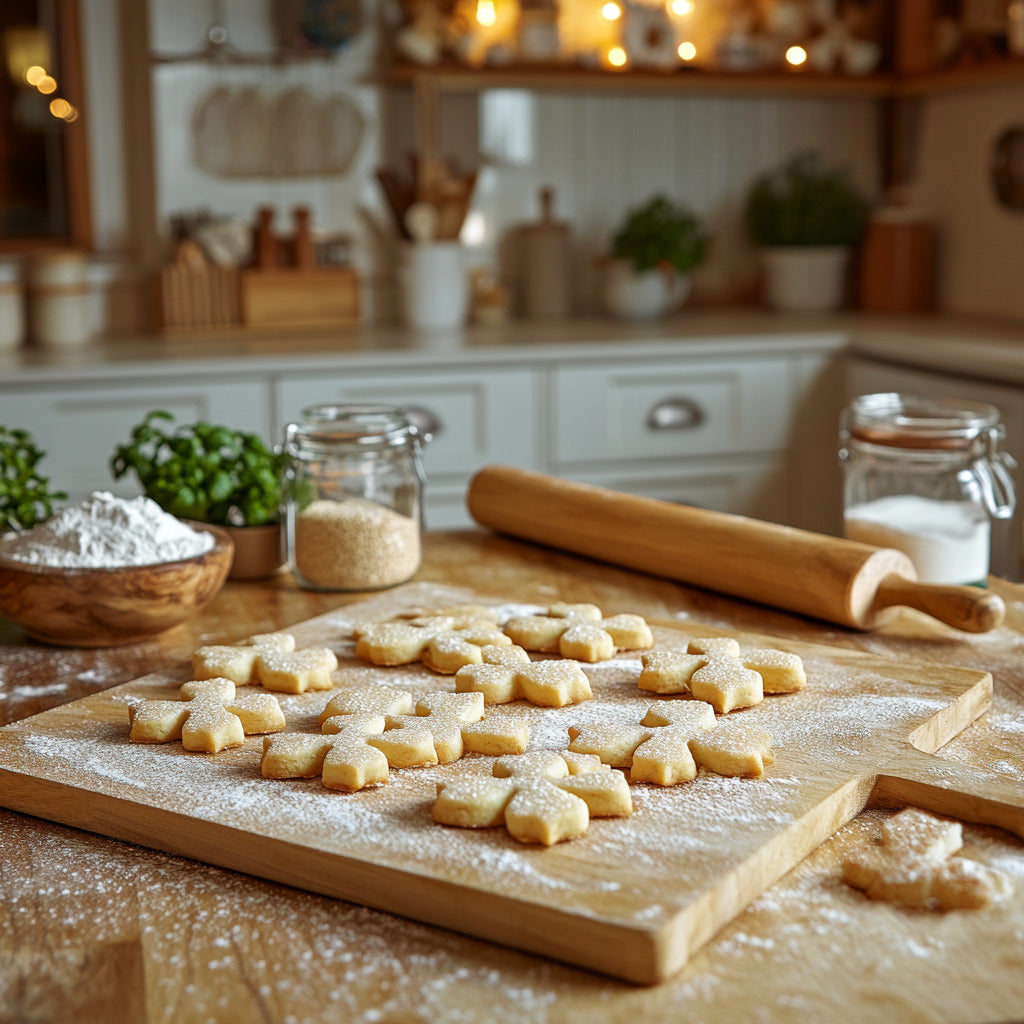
<point x="450" y="77"/>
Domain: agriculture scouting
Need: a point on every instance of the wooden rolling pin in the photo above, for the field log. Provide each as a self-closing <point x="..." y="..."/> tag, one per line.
<point x="824" y="577"/>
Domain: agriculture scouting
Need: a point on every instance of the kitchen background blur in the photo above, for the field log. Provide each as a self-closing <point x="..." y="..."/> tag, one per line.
<point x="222" y="107"/>
<point x="229" y="141"/>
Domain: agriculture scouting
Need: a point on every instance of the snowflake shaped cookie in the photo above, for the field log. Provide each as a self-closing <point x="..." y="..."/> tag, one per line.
<point x="367" y="732"/>
<point x="270" y="660"/>
<point x="672" y="740"/>
<point x="714" y="670"/>
<point x="912" y="863"/>
<point x="209" y="717"/>
<point x="542" y="797"/>
<point x="443" y="642"/>
<point x="507" y="673"/>
<point x="579" y="631"/>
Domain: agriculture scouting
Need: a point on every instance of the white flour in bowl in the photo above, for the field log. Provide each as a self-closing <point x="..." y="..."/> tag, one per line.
<point x="105" y="532"/>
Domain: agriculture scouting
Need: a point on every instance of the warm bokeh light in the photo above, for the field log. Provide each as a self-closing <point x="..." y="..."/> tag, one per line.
<point x="686" y="51"/>
<point x="796" y="55"/>
<point x="60" y="107"/>
<point x="485" y="12"/>
<point x="35" y="74"/>
<point x="611" y="12"/>
<point x="47" y="85"/>
<point x="680" y="8"/>
<point x="617" y="57"/>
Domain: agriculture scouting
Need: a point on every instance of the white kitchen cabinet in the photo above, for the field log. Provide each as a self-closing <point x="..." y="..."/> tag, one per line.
<point x="80" y="425"/>
<point x="482" y="416"/>
<point x="867" y="376"/>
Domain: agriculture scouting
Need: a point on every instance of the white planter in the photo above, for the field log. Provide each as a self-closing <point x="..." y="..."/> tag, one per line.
<point x="805" y="278"/>
<point x="643" y="296"/>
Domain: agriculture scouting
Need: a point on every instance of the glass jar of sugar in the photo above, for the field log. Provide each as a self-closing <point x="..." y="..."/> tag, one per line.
<point x="353" y="497"/>
<point x="926" y="476"/>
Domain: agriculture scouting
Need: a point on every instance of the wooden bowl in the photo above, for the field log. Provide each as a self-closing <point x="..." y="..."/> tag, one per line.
<point x="111" y="607"/>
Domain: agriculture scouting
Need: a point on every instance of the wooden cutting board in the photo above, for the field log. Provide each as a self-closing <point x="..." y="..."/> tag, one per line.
<point x="633" y="898"/>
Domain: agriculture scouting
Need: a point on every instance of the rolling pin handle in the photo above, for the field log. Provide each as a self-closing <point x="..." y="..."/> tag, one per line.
<point x="971" y="609"/>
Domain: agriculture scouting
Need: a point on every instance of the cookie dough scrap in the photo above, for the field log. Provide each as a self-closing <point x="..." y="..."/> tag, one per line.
<point x="367" y="732"/>
<point x="543" y="797"/>
<point x="714" y="670"/>
<point x="444" y="643"/>
<point x="912" y="864"/>
<point x="209" y="717"/>
<point x="269" y="659"/>
<point x="579" y="631"/>
<point x="506" y="674"/>
<point x="673" y="740"/>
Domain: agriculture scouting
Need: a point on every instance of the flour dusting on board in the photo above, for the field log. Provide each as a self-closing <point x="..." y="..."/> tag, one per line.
<point x="638" y="872"/>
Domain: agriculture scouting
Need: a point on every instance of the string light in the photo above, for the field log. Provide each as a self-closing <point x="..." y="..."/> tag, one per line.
<point x="687" y="51"/>
<point x="680" y="8"/>
<point x="796" y="55"/>
<point x="35" y="74"/>
<point x="611" y="11"/>
<point x="46" y="85"/>
<point x="617" y="57"/>
<point x="485" y="12"/>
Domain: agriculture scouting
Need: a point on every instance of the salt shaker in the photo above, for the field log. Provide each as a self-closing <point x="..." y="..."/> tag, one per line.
<point x="926" y="476"/>
<point x="354" y="493"/>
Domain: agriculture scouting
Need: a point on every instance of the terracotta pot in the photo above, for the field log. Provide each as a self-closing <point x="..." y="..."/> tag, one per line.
<point x="259" y="551"/>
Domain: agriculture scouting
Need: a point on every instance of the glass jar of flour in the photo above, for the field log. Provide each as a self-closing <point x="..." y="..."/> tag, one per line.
<point x="926" y="477"/>
<point x="354" y="490"/>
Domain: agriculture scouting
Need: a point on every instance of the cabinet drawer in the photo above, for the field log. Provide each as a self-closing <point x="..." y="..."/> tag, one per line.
<point x="79" y="427"/>
<point x="756" y="486"/>
<point x="482" y="417"/>
<point x="669" y="409"/>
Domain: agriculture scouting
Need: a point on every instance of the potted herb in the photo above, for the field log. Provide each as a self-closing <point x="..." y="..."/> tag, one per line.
<point x="212" y="474"/>
<point x="653" y="254"/>
<point x="805" y="218"/>
<point x="25" y="495"/>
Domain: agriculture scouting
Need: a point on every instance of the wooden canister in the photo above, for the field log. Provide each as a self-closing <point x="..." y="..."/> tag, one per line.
<point x="897" y="262"/>
<point x="545" y="264"/>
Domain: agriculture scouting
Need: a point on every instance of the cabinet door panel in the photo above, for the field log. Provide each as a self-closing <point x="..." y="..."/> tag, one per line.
<point x="670" y="409"/>
<point x="79" y="427"/>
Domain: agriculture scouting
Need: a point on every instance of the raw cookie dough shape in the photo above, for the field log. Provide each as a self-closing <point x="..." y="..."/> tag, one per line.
<point x="209" y="717"/>
<point x="507" y="674"/>
<point x="579" y="631"/>
<point x="444" y="643"/>
<point x="367" y="732"/>
<point x="912" y="864"/>
<point x="541" y="797"/>
<point x="271" y="660"/>
<point x="713" y="670"/>
<point x="673" y="740"/>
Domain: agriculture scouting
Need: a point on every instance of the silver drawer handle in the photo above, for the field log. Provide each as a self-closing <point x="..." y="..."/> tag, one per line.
<point x="425" y="422"/>
<point x="675" y="414"/>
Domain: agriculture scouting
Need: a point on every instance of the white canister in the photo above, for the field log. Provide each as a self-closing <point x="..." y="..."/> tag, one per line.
<point x="59" y="298"/>
<point x="434" y="286"/>
<point x="12" y="307"/>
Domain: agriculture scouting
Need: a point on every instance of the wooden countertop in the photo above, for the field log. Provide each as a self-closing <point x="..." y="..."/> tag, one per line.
<point x="96" y="930"/>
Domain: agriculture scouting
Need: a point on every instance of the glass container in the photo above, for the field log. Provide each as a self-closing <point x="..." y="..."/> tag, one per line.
<point x="353" y="497"/>
<point x="926" y="476"/>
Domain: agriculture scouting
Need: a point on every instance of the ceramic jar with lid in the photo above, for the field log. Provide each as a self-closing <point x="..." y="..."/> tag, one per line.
<point x="354" y="493"/>
<point x="12" y="306"/>
<point x="58" y="290"/>
<point x="926" y="476"/>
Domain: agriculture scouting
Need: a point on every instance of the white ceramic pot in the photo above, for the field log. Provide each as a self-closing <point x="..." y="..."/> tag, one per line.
<point x="646" y="295"/>
<point x="805" y="278"/>
<point x="435" y="287"/>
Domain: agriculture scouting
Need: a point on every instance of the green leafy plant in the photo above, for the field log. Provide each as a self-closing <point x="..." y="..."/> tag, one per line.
<point x="25" y="495"/>
<point x="202" y="471"/>
<point x="660" y="233"/>
<point x="805" y="203"/>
